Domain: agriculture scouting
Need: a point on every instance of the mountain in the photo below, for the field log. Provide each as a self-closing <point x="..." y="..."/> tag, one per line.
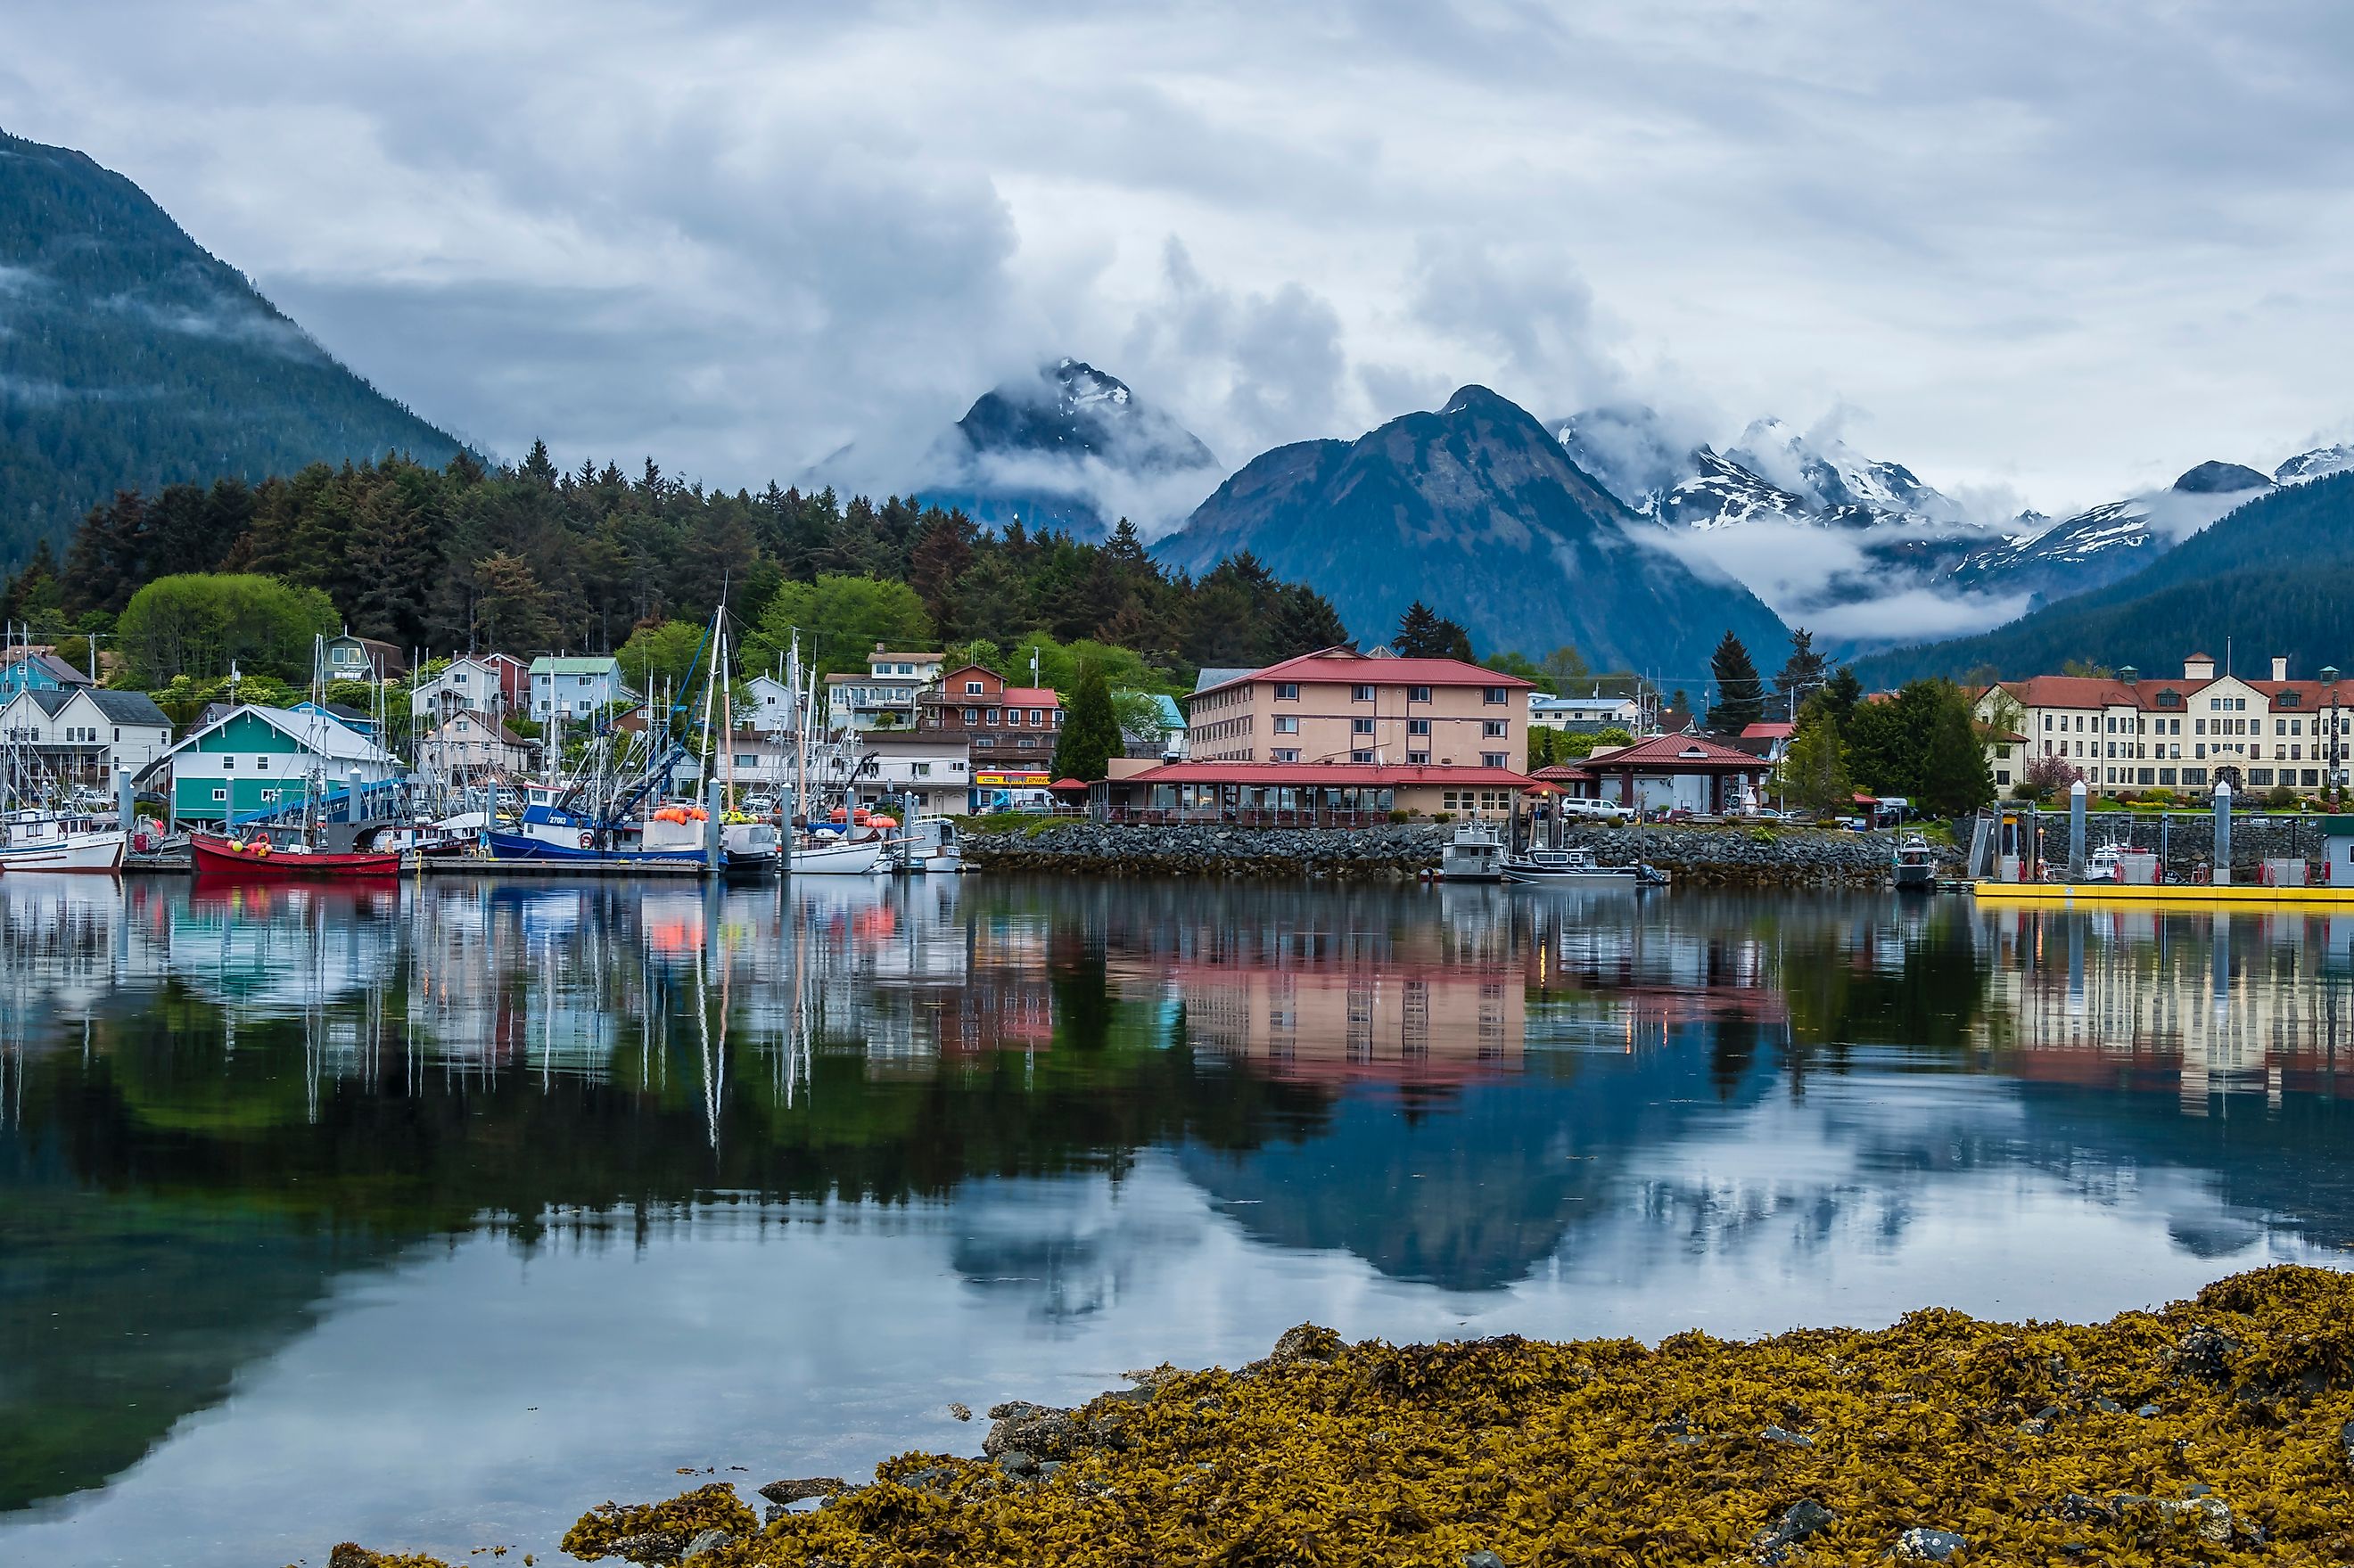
<point x="2319" y="463"/>
<point x="135" y="358"/>
<point x="1477" y="511"/>
<point x="2109" y="542"/>
<point x="1071" y="449"/>
<point x="2270" y="575"/>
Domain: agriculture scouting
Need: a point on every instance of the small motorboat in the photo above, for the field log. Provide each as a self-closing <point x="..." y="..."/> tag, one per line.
<point x="930" y="845"/>
<point x="752" y="849"/>
<point x="51" y="841"/>
<point x="1476" y="853"/>
<point x="282" y="856"/>
<point x="1916" y="865"/>
<point x="820" y="855"/>
<point x="1574" y="868"/>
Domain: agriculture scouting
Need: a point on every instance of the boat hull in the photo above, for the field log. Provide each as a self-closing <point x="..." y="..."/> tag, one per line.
<point x="214" y="857"/>
<point x="838" y="860"/>
<point x="101" y="853"/>
<point x="522" y="846"/>
<point x="1528" y="877"/>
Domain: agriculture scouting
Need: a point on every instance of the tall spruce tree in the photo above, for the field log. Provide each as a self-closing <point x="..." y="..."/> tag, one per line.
<point x="1800" y="674"/>
<point x="1740" y="694"/>
<point x="1418" y="634"/>
<point x="1813" y="773"/>
<point x="1090" y="737"/>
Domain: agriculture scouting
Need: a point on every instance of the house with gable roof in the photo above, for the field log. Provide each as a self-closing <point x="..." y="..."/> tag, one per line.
<point x="254" y="760"/>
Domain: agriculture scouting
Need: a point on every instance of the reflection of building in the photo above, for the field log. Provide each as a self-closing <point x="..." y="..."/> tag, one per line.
<point x="2200" y="1004"/>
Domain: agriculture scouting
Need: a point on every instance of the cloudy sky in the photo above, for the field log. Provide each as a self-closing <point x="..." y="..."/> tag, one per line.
<point x="2044" y="253"/>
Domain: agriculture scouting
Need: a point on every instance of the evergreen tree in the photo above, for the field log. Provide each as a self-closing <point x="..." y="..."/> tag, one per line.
<point x="1813" y="772"/>
<point x="1740" y="694"/>
<point x="1955" y="778"/>
<point x="1418" y="634"/>
<point x="1090" y="737"/>
<point x="1800" y="673"/>
<point x="539" y="468"/>
<point x="1839" y="696"/>
<point x="510" y="607"/>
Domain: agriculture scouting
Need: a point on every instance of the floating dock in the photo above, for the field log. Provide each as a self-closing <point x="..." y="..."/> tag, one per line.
<point x="2167" y="894"/>
<point x="563" y="870"/>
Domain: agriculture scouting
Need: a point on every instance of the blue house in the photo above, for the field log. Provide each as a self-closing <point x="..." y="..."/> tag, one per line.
<point x="30" y="669"/>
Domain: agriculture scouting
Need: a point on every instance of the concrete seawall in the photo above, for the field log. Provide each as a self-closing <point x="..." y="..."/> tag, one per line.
<point x="1697" y="856"/>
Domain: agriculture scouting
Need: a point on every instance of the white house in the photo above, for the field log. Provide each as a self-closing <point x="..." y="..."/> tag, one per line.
<point x="574" y="686"/>
<point x="933" y="767"/>
<point x="254" y="760"/>
<point x="469" y="744"/>
<point x="80" y="733"/>
<point x="884" y="698"/>
<point x="772" y="706"/>
<point x="477" y="682"/>
<point x="1589" y="712"/>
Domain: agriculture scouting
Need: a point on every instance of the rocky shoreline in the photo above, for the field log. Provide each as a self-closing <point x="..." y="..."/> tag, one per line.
<point x="1769" y="855"/>
<point x="2217" y="1430"/>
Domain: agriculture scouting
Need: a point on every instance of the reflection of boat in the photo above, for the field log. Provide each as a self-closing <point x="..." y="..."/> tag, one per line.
<point x="44" y="841"/>
<point x="819" y="858"/>
<point x="1573" y="867"/>
<point x="258" y="858"/>
<point x="1476" y="853"/>
<point x="1916" y="865"/>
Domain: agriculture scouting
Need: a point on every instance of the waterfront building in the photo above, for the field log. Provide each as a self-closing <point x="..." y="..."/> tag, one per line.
<point x="1304" y="794"/>
<point x="493" y="683"/>
<point x="469" y="743"/>
<point x="1586" y="715"/>
<point x="35" y="667"/>
<point x="1337" y="705"/>
<point x="1009" y="733"/>
<point x="343" y="714"/>
<point x="573" y="686"/>
<point x="935" y="767"/>
<point x="254" y="758"/>
<point x="1664" y="772"/>
<point x="770" y="709"/>
<point x="2186" y="734"/>
<point x="82" y="734"/>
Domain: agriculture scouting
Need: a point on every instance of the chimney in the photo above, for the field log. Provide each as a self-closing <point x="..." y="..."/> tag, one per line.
<point x="2199" y="667"/>
<point x="2280" y="668"/>
<point x="2128" y="673"/>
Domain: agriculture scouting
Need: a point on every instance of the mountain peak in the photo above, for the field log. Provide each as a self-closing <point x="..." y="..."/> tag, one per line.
<point x="2213" y="478"/>
<point x="2318" y="463"/>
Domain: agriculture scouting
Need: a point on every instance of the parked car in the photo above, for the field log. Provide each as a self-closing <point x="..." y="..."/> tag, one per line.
<point x="1608" y="810"/>
<point x="1854" y="824"/>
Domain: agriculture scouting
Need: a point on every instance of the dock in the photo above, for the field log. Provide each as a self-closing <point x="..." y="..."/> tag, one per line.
<point x="2166" y="895"/>
<point x="561" y="870"/>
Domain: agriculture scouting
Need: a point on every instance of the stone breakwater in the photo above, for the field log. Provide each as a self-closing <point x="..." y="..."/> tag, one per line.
<point x="1697" y="856"/>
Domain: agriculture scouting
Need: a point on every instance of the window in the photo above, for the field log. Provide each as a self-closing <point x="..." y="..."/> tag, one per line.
<point x="262" y="765"/>
<point x="1418" y="758"/>
<point x="1494" y="759"/>
<point x="1037" y="715"/>
<point x="1286" y="754"/>
<point x="1013" y="716"/>
<point x="2260" y="776"/>
<point x="220" y="794"/>
<point x="983" y="742"/>
<point x="1286" y="724"/>
<point x="1417" y="726"/>
<point x="228" y="764"/>
<point x="1496" y="696"/>
<point x="993" y="713"/>
<point x="1360" y="727"/>
<point x="746" y="759"/>
<point x="1027" y="742"/>
<point x="1496" y="729"/>
<point x="1287" y="691"/>
<point x="2198" y="726"/>
<point x="1361" y="693"/>
<point x="972" y="688"/>
<point x="1417" y="694"/>
<point x="972" y="715"/>
<point x="919" y="771"/>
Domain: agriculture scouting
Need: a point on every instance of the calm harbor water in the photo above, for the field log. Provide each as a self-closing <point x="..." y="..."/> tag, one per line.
<point x="427" y="1218"/>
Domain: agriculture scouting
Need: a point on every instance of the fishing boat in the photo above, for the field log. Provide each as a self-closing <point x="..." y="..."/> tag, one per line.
<point x="1573" y="868"/>
<point x="1916" y="865"/>
<point x="753" y="849"/>
<point x="930" y="845"/>
<point x="2105" y="864"/>
<point x="1476" y="853"/>
<point x="819" y="855"/>
<point x="54" y="841"/>
<point x="282" y="855"/>
<point x="550" y="830"/>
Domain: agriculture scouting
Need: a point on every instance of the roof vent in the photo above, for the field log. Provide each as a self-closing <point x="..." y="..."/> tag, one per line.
<point x="2128" y="673"/>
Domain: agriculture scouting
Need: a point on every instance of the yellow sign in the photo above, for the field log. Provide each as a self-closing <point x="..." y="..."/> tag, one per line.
<point x="1011" y="781"/>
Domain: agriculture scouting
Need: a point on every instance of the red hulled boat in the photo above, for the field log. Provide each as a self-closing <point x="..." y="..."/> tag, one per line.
<point x="258" y="858"/>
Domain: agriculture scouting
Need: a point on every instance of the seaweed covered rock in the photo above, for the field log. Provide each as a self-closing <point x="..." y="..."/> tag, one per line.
<point x="659" y="1532"/>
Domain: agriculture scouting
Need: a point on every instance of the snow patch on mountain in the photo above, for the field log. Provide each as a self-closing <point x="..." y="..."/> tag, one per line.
<point x="2319" y="463"/>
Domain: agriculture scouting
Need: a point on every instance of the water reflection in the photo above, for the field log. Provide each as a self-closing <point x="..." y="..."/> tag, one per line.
<point x="1147" y="1119"/>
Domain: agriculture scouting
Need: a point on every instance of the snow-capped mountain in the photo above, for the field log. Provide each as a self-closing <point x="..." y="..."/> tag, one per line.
<point x="1835" y="480"/>
<point x="1071" y="447"/>
<point x="2099" y="545"/>
<point x="2318" y="463"/>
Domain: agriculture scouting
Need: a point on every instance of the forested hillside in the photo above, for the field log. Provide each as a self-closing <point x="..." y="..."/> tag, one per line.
<point x="531" y="560"/>
<point x="2274" y="576"/>
<point x="135" y="359"/>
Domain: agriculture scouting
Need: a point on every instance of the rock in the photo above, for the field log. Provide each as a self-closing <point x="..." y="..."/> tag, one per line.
<point x="773" y="1513"/>
<point x="2346" y="1443"/>
<point x="782" y="1492"/>
<point x="654" y="1546"/>
<point x="961" y="1410"/>
<point x="2204" y="1354"/>
<point x="2078" y="1508"/>
<point x="2210" y="1517"/>
<point x="1787" y="1438"/>
<point x="1807" y="1516"/>
<point x="1483" y="1558"/>
<point x="1922" y="1545"/>
<point x="2146" y="1411"/>
<point x="2108" y="1407"/>
<point x="929" y="1479"/>
<point x="710" y="1540"/>
<point x="1015" y="1462"/>
<point x="1038" y="1430"/>
<point x="350" y="1554"/>
<point x="1308" y="1342"/>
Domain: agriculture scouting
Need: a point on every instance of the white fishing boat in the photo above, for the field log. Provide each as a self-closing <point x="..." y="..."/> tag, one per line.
<point x="1571" y="867"/>
<point x="822" y="856"/>
<point x="51" y="841"/>
<point x="930" y="845"/>
<point x="1916" y="865"/>
<point x="1476" y="853"/>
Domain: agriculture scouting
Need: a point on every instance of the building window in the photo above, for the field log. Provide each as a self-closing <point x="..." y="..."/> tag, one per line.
<point x="1417" y="694"/>
<point x="1360" y="727"/>
<point x="1496" y="696"/>
<point x="919" y="769"/>
<point x="1496" y="729"/>
<point x="1361" y="693"/>
<point x="972" y="715"/>
<point x="1286" y="754"/>
<point x="1494" y="759"/>
<point x="1417" y="726"/>
<point x="1360" y="756"/>
<point x="1418" y="758"/>
<point x="746" y="759"/>
<point x="2260" y="776"/>
<point x="993" y="713"/>
<point x="1287" y="691"/>
<point x="220" y="794"/>
<point x="1286" y="724"/>
<point x="972" y="688"/>
<point x="1037" y="715"/>
<point x="228" y="764"/>
<point x="983" y="742"/>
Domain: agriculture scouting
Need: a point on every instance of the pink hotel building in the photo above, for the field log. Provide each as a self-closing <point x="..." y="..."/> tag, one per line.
<point x="1335" y="730"/>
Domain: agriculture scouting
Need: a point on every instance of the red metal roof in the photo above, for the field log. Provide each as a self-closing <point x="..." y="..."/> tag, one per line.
<point x="1327" y="775"/>
<point x="1675" y="753"/>
<point x="1340" y="665"/>
<point x="1027" y="697"/>
<point x="1770" y="729"/>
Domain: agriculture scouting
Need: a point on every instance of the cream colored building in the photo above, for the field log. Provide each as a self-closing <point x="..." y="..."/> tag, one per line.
<point x="2137" y="732"/>
<point x="1337" y="705"/>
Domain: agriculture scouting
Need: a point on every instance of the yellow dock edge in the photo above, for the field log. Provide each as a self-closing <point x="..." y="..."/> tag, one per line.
<point x="2179" y="895"/>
